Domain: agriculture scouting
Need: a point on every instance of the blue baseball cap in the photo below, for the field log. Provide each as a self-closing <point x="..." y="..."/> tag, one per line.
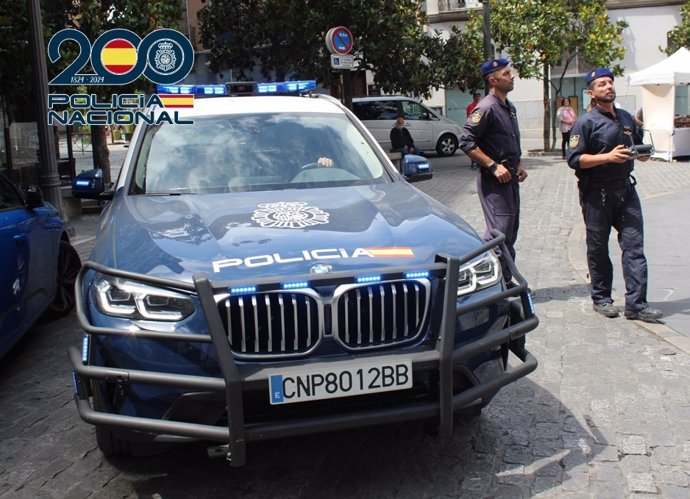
<point x="493" y="65"/>
<point x="597" y="73"/>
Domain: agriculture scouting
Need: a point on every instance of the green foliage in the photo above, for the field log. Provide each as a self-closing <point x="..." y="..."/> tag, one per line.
<point x="680" y="35"/>
<point x="93" y="17"/>
<point x="288" y="39"/>
<point x="460" y="57"/>
<point x="539" y="35"/>
<point x="15" y="53"/>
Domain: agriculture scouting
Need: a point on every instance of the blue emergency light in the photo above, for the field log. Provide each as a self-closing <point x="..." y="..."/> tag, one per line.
<point x="285" y="87"/>
<point x="192" y="89"/>
<point x="239" y="88"/>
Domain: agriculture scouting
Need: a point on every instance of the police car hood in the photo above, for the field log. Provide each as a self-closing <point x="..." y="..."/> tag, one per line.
<point x="279" y="233"/>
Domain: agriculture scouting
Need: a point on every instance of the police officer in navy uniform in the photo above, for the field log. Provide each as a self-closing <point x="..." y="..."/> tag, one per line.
<point x="599" y="151"/>
<point x="491" y="139"/>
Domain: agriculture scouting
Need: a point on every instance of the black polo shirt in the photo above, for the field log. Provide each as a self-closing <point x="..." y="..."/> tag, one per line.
<point x="493" y="127"/>
<point x="596" y="132"/>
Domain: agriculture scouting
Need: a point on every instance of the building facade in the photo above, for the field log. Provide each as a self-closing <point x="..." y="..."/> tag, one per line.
<point x="649" y="23"/>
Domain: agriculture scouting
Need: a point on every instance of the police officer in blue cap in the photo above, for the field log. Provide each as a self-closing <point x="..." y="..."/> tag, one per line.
<point x="491" y="139"/>
<point x="600" y="152"/>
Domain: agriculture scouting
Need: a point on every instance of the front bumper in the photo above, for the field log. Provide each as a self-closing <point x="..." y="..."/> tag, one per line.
<point x="440" y="357"/>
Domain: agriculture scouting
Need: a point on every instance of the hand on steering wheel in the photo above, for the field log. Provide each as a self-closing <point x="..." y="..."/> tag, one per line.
<point x="323" y="162"/>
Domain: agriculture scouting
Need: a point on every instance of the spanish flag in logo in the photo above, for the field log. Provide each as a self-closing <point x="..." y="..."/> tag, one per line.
<point x="177" y="100"/>
<point x="119" y="56"/>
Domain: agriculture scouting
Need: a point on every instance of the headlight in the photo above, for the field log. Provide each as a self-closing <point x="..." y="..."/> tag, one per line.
<point x="481" y="273"/>
<point x="134" y="300"/>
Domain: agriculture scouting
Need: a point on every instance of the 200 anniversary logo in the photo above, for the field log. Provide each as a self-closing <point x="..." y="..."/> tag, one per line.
<point x="119" y="57"/>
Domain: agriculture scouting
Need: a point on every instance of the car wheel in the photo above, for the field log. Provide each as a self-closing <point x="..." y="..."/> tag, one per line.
<point x="107" y="442"/>
<point x="447" y="145"/>
<point x="68" y="267"/>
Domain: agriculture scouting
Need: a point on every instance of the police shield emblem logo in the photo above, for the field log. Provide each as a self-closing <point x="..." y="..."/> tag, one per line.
<point x="574" y="141"/>
<point x="165" y="59"/>
<point x="476" y="117"/>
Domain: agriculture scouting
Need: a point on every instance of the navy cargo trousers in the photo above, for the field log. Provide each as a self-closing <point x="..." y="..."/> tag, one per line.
<point x="501" y="207"/>
<point x="619" y="207"/>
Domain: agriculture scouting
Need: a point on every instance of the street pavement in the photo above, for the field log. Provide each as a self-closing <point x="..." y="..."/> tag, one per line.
<point x="605" y="415"/>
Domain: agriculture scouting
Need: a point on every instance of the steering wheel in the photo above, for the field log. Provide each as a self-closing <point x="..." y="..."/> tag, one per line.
<point x="309" y="166"/>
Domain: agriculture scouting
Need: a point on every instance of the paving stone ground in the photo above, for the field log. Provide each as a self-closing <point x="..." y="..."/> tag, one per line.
<point x="604" y="416"/>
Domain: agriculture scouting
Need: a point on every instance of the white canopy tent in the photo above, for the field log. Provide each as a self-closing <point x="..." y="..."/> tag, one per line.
<point x="658" y="100"/>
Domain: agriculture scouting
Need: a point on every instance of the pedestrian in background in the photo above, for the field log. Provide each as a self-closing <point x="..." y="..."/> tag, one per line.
<point x="566" y="119"/>
<point x="491" y="138"/>
<point x="599" y="151"/>
<point x="401" y="140"/>
<point x="476" y="97"/>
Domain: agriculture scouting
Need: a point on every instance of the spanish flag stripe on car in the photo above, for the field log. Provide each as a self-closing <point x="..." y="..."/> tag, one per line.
<point x="391" y="251"/>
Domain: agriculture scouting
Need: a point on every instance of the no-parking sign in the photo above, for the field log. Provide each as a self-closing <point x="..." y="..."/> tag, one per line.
<point x="339" y="40"/>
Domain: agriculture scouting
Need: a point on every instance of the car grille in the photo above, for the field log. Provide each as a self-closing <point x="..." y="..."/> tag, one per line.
<point x="366" y="316"/>
<point x="375" y="315"/>
<point x="273" y="323"/>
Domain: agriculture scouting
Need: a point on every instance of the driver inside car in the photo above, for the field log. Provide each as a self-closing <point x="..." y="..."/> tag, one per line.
<point x="296" y="140"/>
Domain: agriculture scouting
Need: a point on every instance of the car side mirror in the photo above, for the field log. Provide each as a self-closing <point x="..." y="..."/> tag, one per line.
<point x="88" y="184"/>
<point x="34" y="196"/>
<point x="415" y="168"/>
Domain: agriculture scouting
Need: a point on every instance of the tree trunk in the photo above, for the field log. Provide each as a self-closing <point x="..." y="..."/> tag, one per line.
<point x="547" y="108"/>
<point x="101" y="153"/>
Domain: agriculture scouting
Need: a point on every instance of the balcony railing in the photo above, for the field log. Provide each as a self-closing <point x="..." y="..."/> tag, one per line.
<point x="457" y="5"/>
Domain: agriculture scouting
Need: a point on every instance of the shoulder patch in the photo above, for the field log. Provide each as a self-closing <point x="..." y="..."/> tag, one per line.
<point x="574" y="141"/>
<point x="476" y="117"/>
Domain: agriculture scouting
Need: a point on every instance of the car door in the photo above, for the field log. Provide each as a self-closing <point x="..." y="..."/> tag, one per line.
<point x="420" y="122"/>
<point x="27" y="264"/>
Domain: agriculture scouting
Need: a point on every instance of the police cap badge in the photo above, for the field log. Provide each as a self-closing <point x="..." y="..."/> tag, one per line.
<point x="493" y="65"/>
<point x="597" y="73"/>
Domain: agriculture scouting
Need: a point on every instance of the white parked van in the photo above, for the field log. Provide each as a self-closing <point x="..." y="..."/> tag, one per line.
<point x="430" y="131"/>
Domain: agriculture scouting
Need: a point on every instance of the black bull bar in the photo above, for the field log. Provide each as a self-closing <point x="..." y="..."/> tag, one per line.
<point x="442" y="357"/>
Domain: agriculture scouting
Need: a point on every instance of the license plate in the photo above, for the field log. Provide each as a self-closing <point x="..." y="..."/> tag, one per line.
<point x="341" y="380"/>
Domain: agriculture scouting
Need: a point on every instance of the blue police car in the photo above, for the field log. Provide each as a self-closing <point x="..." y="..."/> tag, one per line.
<point x="266" y="272"/>
<point x="38" y="266"/>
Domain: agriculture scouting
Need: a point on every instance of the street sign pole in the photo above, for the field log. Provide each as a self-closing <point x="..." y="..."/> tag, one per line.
<point x="50" y="180"/>
<point x="339" y="44"/>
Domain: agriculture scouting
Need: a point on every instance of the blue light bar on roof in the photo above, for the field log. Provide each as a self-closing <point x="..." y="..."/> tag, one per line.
<point x="192" y="89"/>
<point x="285" y="87"/>
<point x="240" y="88"/>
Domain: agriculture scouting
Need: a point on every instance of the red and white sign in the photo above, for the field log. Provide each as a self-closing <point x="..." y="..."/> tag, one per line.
<point x="339" y="40"/>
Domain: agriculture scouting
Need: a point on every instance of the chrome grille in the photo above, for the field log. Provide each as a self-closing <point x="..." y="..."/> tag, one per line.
<point x="272" y="323"/>
<point x="375" y="315"/>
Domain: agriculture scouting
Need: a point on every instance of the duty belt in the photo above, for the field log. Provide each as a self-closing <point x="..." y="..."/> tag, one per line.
<point x="618" y="183"/>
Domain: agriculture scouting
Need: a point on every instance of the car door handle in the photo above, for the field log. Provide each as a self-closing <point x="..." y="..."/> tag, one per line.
<point x="20" y="239"/>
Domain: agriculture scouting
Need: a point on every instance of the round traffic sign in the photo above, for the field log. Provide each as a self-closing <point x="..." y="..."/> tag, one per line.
<point x="339" y="40"/>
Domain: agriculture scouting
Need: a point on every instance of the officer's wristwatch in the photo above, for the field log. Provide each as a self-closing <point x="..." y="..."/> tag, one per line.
<point x="492" y="167"/>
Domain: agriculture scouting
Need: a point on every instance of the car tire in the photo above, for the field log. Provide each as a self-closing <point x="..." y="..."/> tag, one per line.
<point x="68" y="267"/>
<point x="107" y="442"/>
<point x="447" y="145"/>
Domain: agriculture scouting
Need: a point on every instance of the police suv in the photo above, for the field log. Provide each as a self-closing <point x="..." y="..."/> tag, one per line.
<point x="266" y="272"/>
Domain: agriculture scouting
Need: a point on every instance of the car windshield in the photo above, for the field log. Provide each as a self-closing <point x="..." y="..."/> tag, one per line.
<point x="255" y="152"/>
